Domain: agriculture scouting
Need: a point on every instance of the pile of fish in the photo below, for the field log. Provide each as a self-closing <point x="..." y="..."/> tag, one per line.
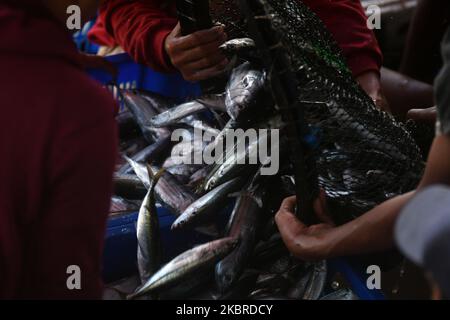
<point x="362" y="155"/>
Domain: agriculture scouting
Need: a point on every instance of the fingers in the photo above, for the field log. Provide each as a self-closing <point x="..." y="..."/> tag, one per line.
<point x="289" y="204"/>
<point x="199" y="38"/>
<point x="207" y="50"/>
<point x="208" y="73"/>
<point x="208" y="62"/>
<point x="197" y="56"/>
<point x="424" y="115"/>
<point x="287" y="222"/>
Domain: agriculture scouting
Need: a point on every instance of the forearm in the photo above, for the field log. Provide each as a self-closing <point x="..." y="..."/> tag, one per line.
<point x="437" y="170"/>
<point x="141" y="28"/>
<point x="371" y="232"/>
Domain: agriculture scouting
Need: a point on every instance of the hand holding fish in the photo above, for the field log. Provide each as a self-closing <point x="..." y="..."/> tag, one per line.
<point x="307" y="243"/>
<point x="197" y="56"/>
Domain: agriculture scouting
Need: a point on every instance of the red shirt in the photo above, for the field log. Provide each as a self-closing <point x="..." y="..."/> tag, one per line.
<point x="58" y="146"/>
<point x="140" y="28"/>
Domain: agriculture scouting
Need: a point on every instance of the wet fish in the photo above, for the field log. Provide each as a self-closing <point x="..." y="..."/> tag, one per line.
<point x="273" y="248"/>
<point x="172" y="116"/>
<point x="197" y="178"/>
<point x="210" y="203"/>
<point x="121" y="205"/>
<point x="143" y="112"/>
<point x="158" y="102"/>
<point x="243" y="88"/>
<point x="186" y="265"/>
<point x="214" y="101"/>
<point x="190" y="288"/>
<point x="298" y="289"/>
<point x="236" y="161"/>
<point x="317" y="281"/>
<point x="149" y="253"/>
<point x="342" y="294"/>
<point x="149" y="153"/>
<point x="238" y="45"/>
<point x="183" y="171"/>
<point x="242" y="287"/>
<point x="129" y="186"/>
<point x="189" y="151"/>
<point x="200" y="125"/>
<point x="246" y="222"/>
<point x="168" y="191"/>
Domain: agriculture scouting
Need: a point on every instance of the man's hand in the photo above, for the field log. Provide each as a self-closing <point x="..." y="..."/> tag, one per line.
<point x="197" y="56"/>
<point x="371" y="84"/>
<point x="428" y="116"/>
<point x="306" y="243"/>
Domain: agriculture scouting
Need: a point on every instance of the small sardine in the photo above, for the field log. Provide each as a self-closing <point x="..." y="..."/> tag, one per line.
<point x="168" y="191"/>
<point x="242" y="91"/>
<point x="143" y="112"/>
<point x="149" y="253"/>
<point x="177" y="113"/>
<point x="210" y="203"/>
<point x="186" y="265"/>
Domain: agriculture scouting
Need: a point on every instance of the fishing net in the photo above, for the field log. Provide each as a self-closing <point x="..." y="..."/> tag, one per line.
<point x="363" y="156"/>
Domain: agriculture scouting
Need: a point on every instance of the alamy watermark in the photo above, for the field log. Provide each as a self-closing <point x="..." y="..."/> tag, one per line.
<point x="373" y="17"/>
<point x="235" y="146"/>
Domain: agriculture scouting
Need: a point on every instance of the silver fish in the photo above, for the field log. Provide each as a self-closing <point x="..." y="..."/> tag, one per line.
<point x="143" y="112"/>
<point x="234" y="163"/>
<point x="183" y="171"/>
<point x="129" y="186"/>
<point x="149" y="253"/>
<point x="239" y="44"/>
<point x="177" y="113"/>
<point x="214" y="101"/>
<point x="197" y="178"/>
<point x="168" y="190"/>
<point x="195" y="123"/>
<point x="147" y="154"/>
<point x="243" y="88"/>
<point x="317" y="281"/>
<point x="342" y="294"/>
<point x="209" y="203"/>
<point x="186" y="265"/>
<point x="246" y="222"/>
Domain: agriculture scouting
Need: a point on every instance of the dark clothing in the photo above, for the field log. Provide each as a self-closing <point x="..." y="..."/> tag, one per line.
<point x="58" y="143"/>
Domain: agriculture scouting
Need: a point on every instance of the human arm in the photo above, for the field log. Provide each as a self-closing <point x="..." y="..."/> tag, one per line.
<point x="150" y="33"/>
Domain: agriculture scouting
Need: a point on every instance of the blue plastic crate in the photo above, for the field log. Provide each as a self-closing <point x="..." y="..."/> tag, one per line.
<point x="135" y="76"/>
<point x="119" y="256"/>
<point x="81" y="39"/>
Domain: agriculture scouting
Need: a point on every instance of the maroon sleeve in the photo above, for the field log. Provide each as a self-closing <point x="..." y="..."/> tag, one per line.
<point x="140" y="28"/>
<point x="347" y="22"/>
<point x="71" y="229"/>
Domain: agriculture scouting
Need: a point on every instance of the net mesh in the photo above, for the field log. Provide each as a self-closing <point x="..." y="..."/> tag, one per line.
<point x="363" y="156"/>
